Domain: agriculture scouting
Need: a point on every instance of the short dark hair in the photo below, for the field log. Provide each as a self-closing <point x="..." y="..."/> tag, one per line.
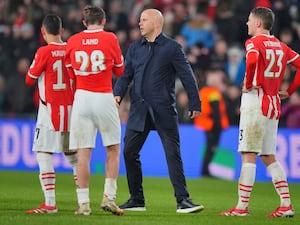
<point x="52" y="24"/>
<point x="266" y="15"/>
<point x="93" y="14"/>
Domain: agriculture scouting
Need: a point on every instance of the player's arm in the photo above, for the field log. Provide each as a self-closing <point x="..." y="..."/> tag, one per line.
<point x="68" y="61"/>
<point x="251" y="62"/>
<point x="70" y="72"/>
<point x="72" y="77"/>
<point x="30" y="80"/>
<point x="37" y="67"/>
<point x="296" y="81"/>
<point x="118" y="68"/>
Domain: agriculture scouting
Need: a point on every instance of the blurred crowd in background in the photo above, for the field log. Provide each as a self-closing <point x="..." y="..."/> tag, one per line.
<point x="212" y="33"/>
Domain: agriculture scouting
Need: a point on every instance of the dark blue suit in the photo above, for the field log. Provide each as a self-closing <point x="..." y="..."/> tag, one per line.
<point x="150" y="71"/>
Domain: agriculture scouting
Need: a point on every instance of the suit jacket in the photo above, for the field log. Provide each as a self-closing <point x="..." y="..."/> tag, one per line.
<point x="150" y="70"/>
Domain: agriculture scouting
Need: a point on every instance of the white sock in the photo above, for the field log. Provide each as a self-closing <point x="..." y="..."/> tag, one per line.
<point x="280" y="183"/>
<point x="246" y="182"/>
<point x="83" y="195"/>
<point x="47" y="177"/>
<point x="72" y="159"/>
<point x="110" y="188"/>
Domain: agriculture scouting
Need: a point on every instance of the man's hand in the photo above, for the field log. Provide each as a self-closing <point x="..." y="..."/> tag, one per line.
<point x="193" y="114"/>
<point x="283" y="94"/>
<point x="244" y="90"/>
<point x="118" y="101"/>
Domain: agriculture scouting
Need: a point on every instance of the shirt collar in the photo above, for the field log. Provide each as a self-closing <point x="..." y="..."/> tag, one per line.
<point x="157" y="40"/>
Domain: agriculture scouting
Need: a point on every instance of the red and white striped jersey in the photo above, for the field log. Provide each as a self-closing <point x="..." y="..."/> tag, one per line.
<point x="54" y="83"/>
<point x="271" y="61"/>
<point x="94" y="56"/>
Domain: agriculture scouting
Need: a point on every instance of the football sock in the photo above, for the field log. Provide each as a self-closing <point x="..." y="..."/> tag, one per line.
<point x="47" y="177"/>
<point x="83" y="195"/>
<point x="280" y="183"/>
<point x="246" y="182"/>
<point x="72" y="159"/>
<point x="110" y="188"/>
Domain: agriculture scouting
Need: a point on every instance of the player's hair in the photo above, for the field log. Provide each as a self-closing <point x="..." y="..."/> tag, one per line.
<point x="266" y="15"/>
<point x="52" y="24"/>
<point x="93" y="14"/>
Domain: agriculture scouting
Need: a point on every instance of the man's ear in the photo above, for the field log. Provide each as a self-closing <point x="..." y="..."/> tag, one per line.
<point x="258" y="23"/>
<point x="43" y="30"/>
<point x="61" y="31"/>
<point x="84" y="23"/>
<point x="103" y="22"/>
<point x="44" y="33"/>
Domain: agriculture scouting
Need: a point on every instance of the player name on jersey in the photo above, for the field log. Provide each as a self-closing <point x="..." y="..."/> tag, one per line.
<point x="93" y="41"/>
<point x="58" y="53"/>
<point x="271" y="43"/>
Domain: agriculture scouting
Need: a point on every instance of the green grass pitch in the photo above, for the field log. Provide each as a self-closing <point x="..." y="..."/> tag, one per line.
<point x="20" y="191"/>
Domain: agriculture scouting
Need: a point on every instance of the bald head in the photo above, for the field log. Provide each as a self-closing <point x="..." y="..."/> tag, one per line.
<point x="156" y="15"/>
<point x="151" y="23"/>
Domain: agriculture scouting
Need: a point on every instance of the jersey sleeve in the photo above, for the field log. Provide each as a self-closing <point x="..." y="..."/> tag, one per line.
<point x="293" y="59"/>
<point x="29" y="81"/>
<point x="67" y="56"/>
<point x="118" y="68"/>
<point x="296" y="81"/>
<point x="38" y="65"/>
<point x="291" y="55"/>
<point x="251" y="62"/>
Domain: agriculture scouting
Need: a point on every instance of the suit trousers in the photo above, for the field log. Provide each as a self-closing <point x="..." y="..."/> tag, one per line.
<point x="133" y="142"/>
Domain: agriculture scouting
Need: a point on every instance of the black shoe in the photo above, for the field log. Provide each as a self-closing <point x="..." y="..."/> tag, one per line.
<point x="187" y="206"/>
<point x="133" y="205"/>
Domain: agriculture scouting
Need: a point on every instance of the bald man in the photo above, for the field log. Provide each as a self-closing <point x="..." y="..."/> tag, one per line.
<point x="151" y="67"/>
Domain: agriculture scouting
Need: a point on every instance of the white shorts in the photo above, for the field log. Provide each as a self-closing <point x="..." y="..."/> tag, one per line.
<point x="46" y="139"/>
<point x="94" y="111"/>
<point x="257" y="133"/>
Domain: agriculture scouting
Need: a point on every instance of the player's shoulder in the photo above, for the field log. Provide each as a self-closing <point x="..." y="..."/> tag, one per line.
<point x="75" y="37"/>
<point x="256" y="41"/>
<point x="43" y="50"/>
<point x="108" y="35"/>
